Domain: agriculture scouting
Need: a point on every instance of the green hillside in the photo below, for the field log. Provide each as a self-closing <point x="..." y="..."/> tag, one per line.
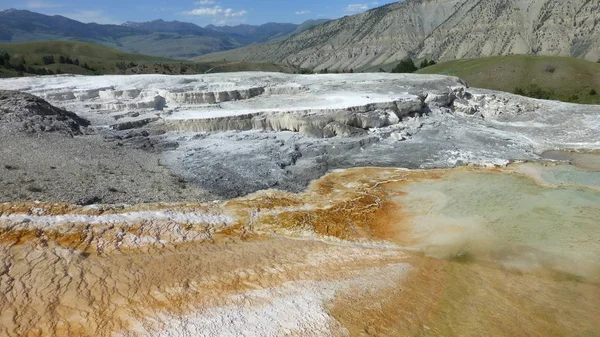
<point x="72" y="57"/>
<point x="99" y="59"/>
<point x="560" y="78"/>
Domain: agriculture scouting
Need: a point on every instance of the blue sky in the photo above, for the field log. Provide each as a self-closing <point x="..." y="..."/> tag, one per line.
<point x="201" y="12"/>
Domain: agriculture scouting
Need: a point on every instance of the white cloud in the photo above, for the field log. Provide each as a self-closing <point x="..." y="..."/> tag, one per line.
<point x="217" y="11"/>
<point x="91" y="16"/>
<point x="303" y="12"/>
<point x="205" y="2"/>
<point x="38" y="4"/>
<point x="355" y="8"/>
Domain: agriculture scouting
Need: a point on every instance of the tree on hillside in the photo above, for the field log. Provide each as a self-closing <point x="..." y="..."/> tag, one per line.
<point x="76" y="62"/>
<point x="406" y="65"/>
<point x="6" y="58"/>
<point x="121" y="66"/>
<point x="425" y="63"/>
<point x="61" y="59"/>
<point x="1" y="61"/>
<point x="48" y="59"/>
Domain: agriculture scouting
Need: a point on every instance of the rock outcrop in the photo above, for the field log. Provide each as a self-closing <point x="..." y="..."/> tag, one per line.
<point x="28" y="113"/>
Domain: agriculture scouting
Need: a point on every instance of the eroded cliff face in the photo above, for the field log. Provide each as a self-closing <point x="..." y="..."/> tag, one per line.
<point x="377" y="252"/>
<point x="440" y="30"/>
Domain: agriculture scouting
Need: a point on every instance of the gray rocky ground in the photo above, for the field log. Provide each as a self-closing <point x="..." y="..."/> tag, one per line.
<point x="178" y="138"/>
<point x="49" y="154"/>
<point x="85" y="170"/>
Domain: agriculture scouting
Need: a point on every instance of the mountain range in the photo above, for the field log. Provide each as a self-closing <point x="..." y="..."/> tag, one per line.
<point x="439" y="30"/>
<point x="171" y="39"/>
<point x="378" y="38"/>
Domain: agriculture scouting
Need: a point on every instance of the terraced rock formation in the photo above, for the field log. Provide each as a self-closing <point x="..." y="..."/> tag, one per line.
<point x="233" y="134"/>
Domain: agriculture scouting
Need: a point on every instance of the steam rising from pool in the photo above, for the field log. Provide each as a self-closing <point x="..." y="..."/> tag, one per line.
<point x="509" y="220"/>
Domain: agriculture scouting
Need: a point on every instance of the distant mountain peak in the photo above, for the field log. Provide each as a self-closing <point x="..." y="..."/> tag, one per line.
<point x="131" y="24"/>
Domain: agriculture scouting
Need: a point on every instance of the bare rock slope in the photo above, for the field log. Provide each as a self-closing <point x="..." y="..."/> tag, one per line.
<point x="438" y="29"/>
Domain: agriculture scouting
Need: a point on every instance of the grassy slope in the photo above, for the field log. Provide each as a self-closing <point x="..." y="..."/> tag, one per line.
<point x="103" y="60"/>
<point x="572" y="77"/>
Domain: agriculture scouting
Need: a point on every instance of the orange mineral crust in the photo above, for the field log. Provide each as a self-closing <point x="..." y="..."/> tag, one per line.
<point x="362" y="252"/>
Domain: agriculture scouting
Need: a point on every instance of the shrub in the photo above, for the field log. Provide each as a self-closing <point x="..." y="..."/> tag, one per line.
<point x="533" y="91"/>
<point x="121" y="66"/>
<point x="550" y="69"/>
<point x="536" y="92"/>
<point x="519" y="91"/>
<point x="593" y="92"/>
<point x="406" y="65"/>
<point x="34" y="189"/>
<point x="425" y="63"/>
<point x="306" y="71"/>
